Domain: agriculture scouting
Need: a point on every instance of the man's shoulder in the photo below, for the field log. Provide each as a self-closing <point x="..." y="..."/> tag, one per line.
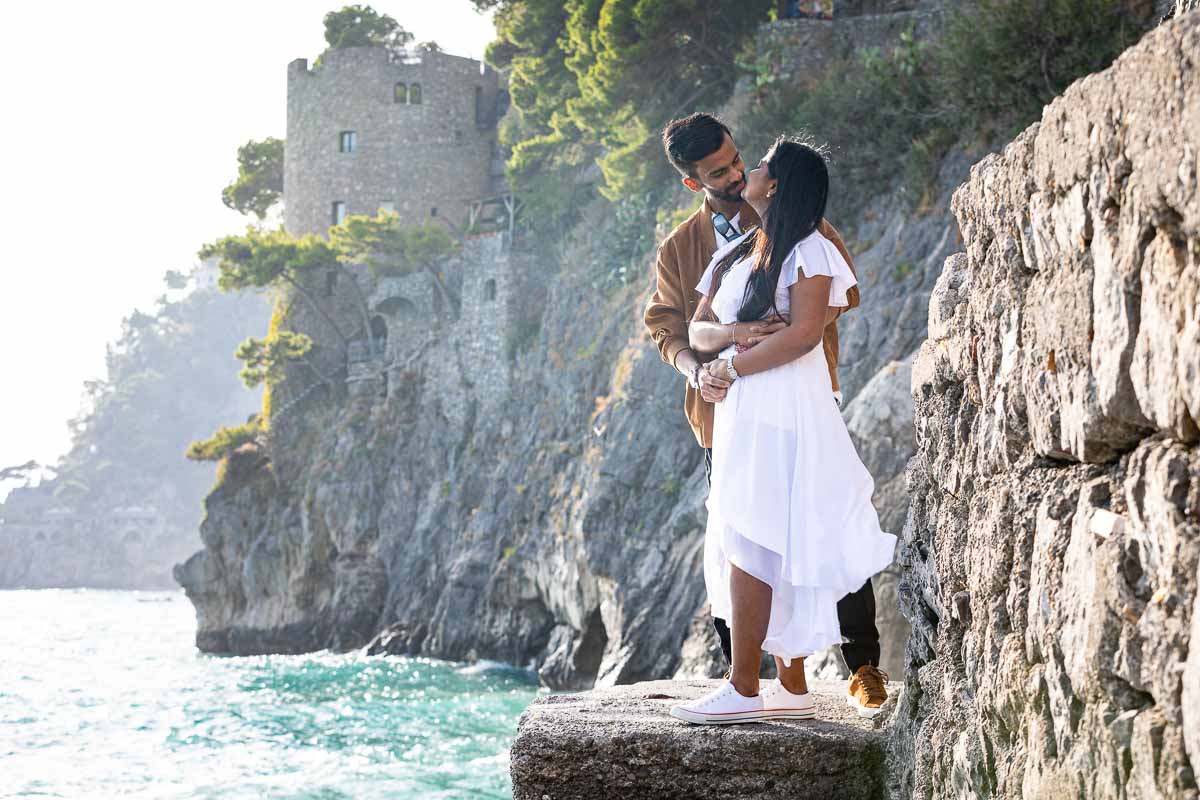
<point x="685" y="231"/>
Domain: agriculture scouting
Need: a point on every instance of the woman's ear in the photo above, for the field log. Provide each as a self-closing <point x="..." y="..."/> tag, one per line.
<point x="771" y="185"/>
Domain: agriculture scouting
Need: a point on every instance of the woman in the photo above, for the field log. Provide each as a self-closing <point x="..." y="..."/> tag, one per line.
<point x="791" y="528"/>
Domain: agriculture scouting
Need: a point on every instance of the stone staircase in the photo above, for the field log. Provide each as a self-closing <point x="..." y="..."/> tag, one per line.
<point x="621" y="743"/>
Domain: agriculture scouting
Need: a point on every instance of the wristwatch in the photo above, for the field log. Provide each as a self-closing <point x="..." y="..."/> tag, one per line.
<point x="693" y="377"/>
<point x="733" y="373"/>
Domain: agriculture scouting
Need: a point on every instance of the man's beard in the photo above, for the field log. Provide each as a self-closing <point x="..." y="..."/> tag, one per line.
<point x="731" y="197"/>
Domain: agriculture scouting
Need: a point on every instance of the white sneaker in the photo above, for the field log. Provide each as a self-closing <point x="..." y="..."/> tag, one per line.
<point x="722" y="706"/>
<point x="779" y="703"/>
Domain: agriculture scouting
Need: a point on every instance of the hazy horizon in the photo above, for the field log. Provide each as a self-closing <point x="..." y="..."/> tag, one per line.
<point x="124" y="130"/>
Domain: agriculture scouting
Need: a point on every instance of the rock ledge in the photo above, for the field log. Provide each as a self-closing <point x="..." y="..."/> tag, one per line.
<point x="622" y="742"/>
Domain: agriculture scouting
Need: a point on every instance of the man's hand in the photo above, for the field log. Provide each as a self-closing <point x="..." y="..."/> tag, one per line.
<point x="712" y="388"/>
<point x="751" y="333"/>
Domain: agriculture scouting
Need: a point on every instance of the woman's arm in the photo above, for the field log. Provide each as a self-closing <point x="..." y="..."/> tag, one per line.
<point x="810" y="309"/>
<point x="705" y="335"/>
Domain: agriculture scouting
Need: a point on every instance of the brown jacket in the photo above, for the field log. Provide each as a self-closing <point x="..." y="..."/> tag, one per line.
<point x="682" y="258"/>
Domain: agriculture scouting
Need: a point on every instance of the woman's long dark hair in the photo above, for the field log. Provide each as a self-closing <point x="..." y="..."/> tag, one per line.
<point x="795" y="211"/>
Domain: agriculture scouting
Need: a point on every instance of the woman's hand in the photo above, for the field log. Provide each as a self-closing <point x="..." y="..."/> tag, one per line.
<point x="749" y="334"/>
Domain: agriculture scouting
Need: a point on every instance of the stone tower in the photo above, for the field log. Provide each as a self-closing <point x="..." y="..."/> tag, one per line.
<point x="366" y="131"/>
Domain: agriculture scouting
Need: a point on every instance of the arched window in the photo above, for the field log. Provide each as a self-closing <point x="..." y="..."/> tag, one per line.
<point x="414" y="94"/>
<point x="489" y="290"/>
<point x="400" y="93"/>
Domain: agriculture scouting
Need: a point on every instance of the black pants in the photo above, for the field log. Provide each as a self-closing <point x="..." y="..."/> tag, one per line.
<point x="856" y="615"/>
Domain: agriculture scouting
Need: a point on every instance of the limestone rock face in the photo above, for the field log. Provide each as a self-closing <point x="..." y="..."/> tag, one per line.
<point x="1051" y="549"/>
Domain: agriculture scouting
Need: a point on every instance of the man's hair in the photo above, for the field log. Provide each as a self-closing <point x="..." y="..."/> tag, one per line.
<point x="691" y="139"/>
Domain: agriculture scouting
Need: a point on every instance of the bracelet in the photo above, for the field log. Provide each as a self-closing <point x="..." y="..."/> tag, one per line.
<point x="733" y="373"/>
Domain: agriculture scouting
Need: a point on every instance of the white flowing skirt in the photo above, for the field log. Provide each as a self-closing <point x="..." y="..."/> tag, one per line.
<point x="790" y="504"/>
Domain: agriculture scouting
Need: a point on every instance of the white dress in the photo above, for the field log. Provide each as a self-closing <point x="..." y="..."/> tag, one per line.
<point x="790" y="501"/>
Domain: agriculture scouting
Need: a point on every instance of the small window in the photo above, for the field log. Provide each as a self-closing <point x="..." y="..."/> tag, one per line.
<point x="400" y="93"/>
<point x="387" y="208"/>
<point x="458" y="136"/>
<point x="348" y="142"/>
<point x="489" y="290"/>
<point x="433" y="211"/>
<point x="414" y="94"/>
<point x="339" y="212"/>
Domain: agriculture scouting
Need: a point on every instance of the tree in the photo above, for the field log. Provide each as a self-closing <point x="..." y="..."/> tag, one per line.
<point x="597" y="79"/>
<point x="259" y="182"/>
<point x="639" y="64"/>
<point x="266" y="359"/>
<point x="388" y="248"/>
<point x="363" y="26"/>
<point x="174" y="279"/>
<point x="20" y="472"/>
<point x="225" y="441"/>
<point x="259" y="258"/>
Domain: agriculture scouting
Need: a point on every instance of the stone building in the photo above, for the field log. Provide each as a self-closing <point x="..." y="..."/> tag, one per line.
<point x="366" y="131"/>
<point x="369" y="132"/>
<point x="52" y="546"/>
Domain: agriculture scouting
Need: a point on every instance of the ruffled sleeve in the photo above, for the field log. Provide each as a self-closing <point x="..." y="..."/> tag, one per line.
<point x="706" y="280"/>
<point x="816" y="255"/>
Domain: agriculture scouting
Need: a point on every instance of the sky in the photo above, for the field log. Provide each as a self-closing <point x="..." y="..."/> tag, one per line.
<point x="124" y="120"/>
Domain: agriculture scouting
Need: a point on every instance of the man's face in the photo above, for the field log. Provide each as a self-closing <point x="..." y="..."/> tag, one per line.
<point x="721" y="175"/>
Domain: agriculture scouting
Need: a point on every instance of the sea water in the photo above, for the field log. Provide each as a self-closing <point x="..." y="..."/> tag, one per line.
<point x="103" y="694"/>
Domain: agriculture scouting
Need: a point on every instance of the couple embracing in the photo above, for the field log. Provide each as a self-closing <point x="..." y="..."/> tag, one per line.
<point x="757" y="278"/>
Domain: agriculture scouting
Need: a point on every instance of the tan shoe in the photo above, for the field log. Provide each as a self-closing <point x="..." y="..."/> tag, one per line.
<point x="867" y="691"/>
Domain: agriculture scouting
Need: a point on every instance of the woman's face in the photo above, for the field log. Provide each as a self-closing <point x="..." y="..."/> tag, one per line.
<point x="759" y="184"/>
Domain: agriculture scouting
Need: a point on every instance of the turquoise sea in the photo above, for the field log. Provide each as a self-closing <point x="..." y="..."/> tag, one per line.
<point x="103" y="694"/>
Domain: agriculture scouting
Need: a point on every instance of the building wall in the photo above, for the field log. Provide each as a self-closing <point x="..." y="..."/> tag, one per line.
<point x="488" y="297"/>
<point x="801" y="49"/>
<point x="416" y="157"/>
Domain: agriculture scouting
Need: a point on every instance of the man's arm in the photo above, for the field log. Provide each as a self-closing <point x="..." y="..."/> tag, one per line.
<point x="664" y="315"/>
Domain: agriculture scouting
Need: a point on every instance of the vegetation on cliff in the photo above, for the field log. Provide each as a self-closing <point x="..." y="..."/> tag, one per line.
<point x="594" y="81"/>
<point x="168" y="378"/>
<point x="891" y="115"/>
<point x="259" y="182"/>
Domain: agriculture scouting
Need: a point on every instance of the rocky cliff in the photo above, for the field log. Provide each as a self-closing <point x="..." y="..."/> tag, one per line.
<point x="545" y="511"/>
<point x="1051" y="549"/>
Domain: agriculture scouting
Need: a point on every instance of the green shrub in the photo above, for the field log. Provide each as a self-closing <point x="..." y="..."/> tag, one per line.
<point x="892" y="115"/>
<point x="224" y="441"/>
<point x="1000" y="62"/>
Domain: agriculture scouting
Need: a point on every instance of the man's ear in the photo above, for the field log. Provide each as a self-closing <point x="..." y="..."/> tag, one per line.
<point x="693" y="184"/>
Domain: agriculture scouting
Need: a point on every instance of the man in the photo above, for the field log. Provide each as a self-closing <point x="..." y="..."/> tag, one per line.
<point x="702" y="149"/>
